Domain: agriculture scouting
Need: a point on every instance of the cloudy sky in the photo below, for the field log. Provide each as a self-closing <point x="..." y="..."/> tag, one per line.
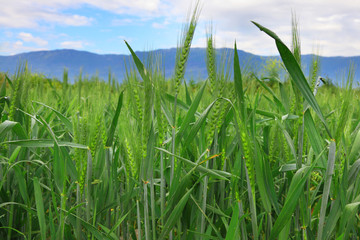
<point x="327" y="27"/>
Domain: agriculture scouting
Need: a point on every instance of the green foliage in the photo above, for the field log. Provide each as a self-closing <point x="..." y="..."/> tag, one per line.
<point x="220" y="159"/>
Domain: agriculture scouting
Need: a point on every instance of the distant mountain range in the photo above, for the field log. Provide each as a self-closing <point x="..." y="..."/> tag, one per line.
<point x="52" y="63"/>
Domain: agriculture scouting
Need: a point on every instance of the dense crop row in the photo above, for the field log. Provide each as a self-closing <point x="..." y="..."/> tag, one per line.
<point x="234" y="157"/>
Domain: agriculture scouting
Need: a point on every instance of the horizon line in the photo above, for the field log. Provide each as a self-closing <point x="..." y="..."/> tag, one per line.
<point x="162" y="49"/>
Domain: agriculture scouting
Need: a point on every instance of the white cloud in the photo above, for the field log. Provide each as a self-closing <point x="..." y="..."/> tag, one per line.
<point x="160" y="25"/>
<point x="29" y="14"/>
<point x="73" y="44"/>
<point x="72" y="20"/>
<point x="11" y="48"/>
<point x="333" y="24"/>
<point x="32" y="14"/>
<point x="122" y="22"/>
<point x="22" y="42"/>
<point x="28" y="37"/>
<point x="138" y="7"/>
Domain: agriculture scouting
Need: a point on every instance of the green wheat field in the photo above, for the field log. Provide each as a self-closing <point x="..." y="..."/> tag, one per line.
<point x="237" y="156"/>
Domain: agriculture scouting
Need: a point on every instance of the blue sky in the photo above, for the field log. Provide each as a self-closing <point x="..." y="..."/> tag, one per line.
<point x="327" y="27"/>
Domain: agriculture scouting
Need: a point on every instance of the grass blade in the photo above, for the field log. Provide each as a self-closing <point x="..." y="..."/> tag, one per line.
<point x="175" y="214"/>
<point x="199" y="122"/>
<point x="326" y="191"/>
<point x="315" y="139"/>
<point x="295" y="190"/>
<point x="140" y="67"/>
<point x="297" y="76"/>
<point x="239" y="84"/>
<point x="93" y="230"/>
<point x="6" y="126"/>
<point x="222" y="175"/>
<point x="64" y="119"/>
<point x="355" y="149"/>
<point x="40" y="208"/>
<point x="348" y="216"/>
<point x="114" y="122"/>
<point x="190" y="113"/>
<point x="233" y="231"/>
<point x="22" y="185"/>
<point x="44" y="143"/>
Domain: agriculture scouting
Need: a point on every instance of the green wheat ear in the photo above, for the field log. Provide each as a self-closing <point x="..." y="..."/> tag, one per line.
<point x="211" y="62"/>
<point x="159" y="115"/>
<point x="13" y="103"/>
<point x="248" y="158"/>
<point x="183" y="51"/>
<point x="16" y="97"/>
<point x="130" y="164"/>
<point x="211" y="68"/>
<point x="80" y="157"/>
<point x="96" y="138"/>
<point x="298" y="99"/>
<point x="314" y="71"/>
